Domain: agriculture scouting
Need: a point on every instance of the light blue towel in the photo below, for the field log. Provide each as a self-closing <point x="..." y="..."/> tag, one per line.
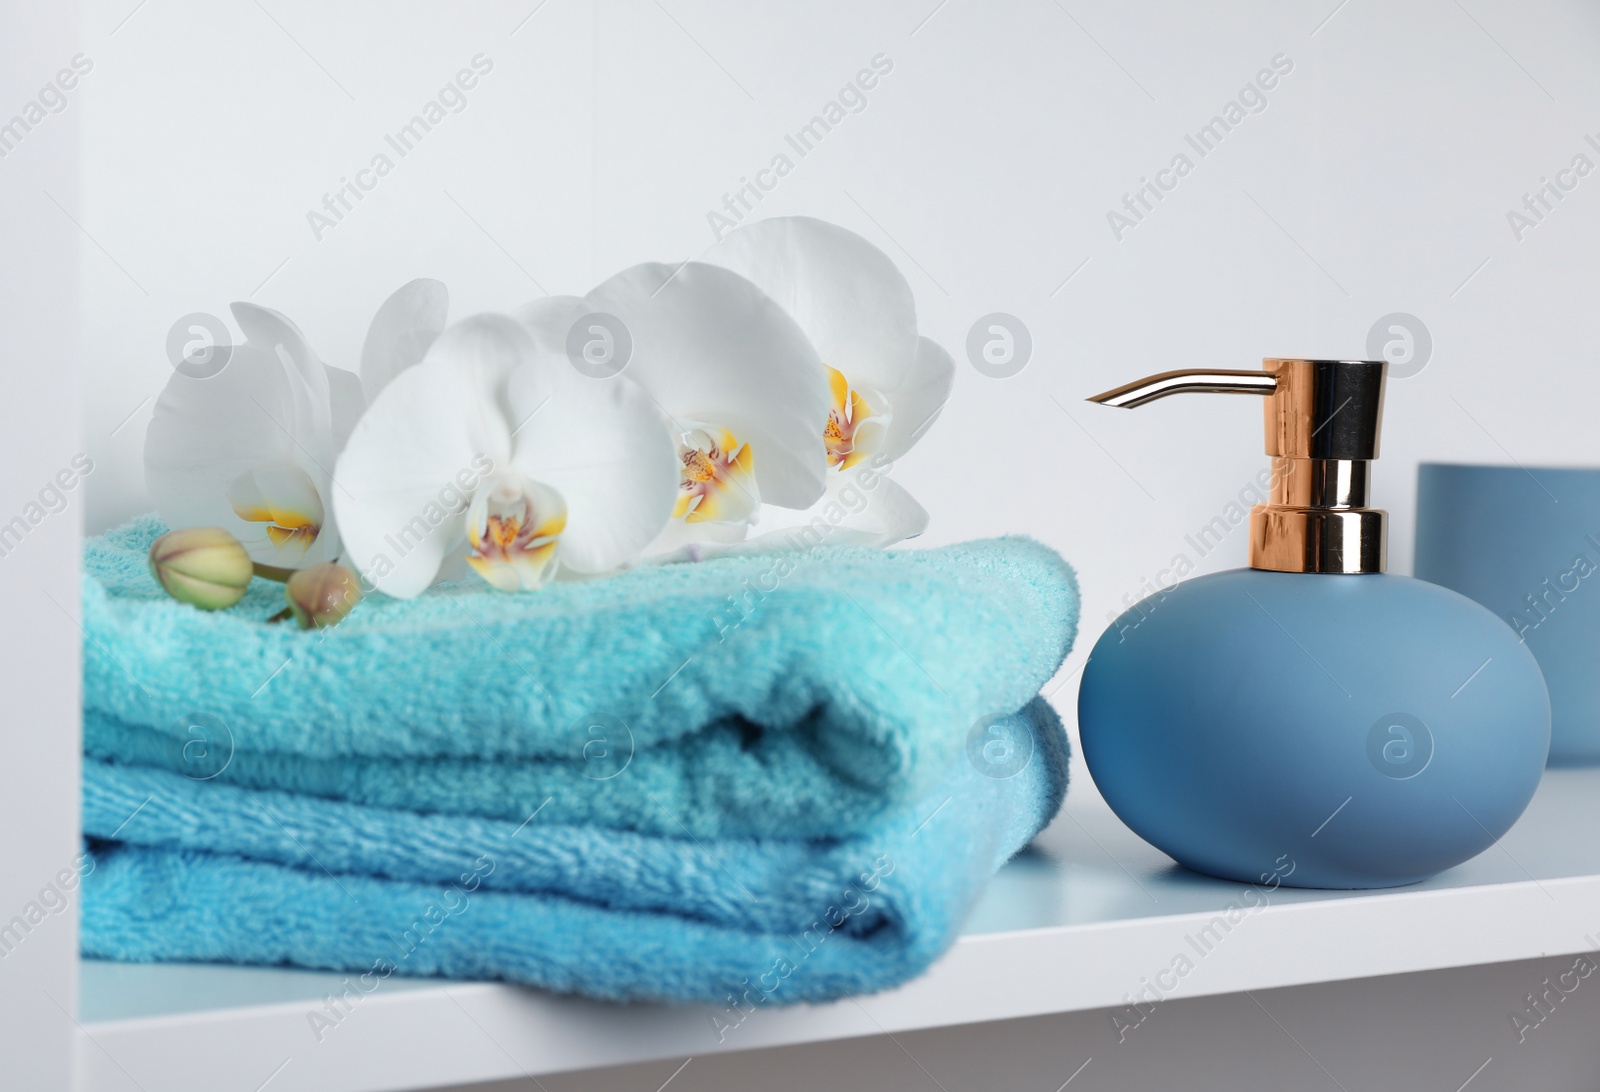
<point x="225" y="874"/>
<point x="805" y="710"/>
<point x="670" y="784"/>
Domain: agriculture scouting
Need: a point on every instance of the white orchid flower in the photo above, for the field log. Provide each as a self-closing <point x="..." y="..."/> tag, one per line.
<point x="740" y="385"/>
<point x="251" y="448"/>
<point x="886" y="382"/>
<point x="496" y="448"/>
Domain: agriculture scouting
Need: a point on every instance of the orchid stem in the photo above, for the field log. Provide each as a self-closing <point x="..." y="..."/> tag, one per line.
<point x="271" y="572"/>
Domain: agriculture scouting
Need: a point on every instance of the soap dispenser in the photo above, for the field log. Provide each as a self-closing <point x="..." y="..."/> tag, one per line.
<point x="1310" y="720"/>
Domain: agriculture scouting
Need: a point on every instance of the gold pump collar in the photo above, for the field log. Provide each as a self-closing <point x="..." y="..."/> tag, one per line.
<point x="1322" y="421"/>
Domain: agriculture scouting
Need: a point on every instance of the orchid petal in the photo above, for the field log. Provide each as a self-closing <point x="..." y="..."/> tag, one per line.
<point x="852" y="513"/>
<point x="891" y="514"/>
<point x="483" y="351"/>
<point x="279" y="493"/>
<point x="680" y="541"/>
<point x="205" y="433"/>
<point x="345" y="404"/>
<point x="404" y="327"/>
<point x="285" y="501"/>
<point x="549" y="318"/>
<point x="604" y="446"/>
<point x="918" y="400"/>
<point x="308" y="379"/>
<point x="401" y="506"/>
<point x="708" y="346"/>
<point x="847" y="295"/>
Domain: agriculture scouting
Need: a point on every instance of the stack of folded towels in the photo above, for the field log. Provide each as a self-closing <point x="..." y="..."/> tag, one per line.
<point x="784" y="773"/>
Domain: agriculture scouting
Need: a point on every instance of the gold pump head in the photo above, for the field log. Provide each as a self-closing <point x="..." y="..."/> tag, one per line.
<point x="1322" y="422"/>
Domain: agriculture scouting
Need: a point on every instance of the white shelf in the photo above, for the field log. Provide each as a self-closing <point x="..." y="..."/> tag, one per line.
<point x="1079" y="922"/>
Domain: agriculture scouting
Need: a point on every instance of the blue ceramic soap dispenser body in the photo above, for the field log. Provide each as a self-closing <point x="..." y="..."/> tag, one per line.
<point x="1372" y="729"/>
<point x="1310" y="717"/>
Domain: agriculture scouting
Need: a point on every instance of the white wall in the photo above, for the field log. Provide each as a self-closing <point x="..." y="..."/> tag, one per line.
<point x="1377" y="179"/>
<point x="39" y="638"/>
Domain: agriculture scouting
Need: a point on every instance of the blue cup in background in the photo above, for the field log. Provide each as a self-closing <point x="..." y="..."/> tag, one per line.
<point x="1526" y="544"/>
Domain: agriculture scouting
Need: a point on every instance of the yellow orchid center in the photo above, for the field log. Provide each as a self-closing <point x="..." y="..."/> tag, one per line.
<point x="716" y="481"/>
<point x="513" y="527"/>
<point x="285" y="500"/>
<point x="698" y="467"/>
<point x="854" y="426"/>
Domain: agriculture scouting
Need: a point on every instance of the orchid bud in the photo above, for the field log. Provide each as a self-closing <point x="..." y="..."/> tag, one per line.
<point x="323" y="595"/>
<point x="205" y="567"/>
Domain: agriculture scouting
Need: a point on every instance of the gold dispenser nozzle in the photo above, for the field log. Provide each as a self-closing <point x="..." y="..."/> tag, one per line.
<point x="1322" y="422"/>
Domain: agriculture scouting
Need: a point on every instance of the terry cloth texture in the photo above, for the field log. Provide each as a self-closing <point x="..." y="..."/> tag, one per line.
<point x="658" y="785"/>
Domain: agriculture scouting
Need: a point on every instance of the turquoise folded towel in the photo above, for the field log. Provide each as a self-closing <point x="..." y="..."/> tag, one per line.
<point x="225" y="874"/>
<point x="784" y="695"/>
<point x="658" y="785"/>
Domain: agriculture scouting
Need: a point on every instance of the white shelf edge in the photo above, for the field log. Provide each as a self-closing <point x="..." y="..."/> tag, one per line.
<point x="461" y="1032"/>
